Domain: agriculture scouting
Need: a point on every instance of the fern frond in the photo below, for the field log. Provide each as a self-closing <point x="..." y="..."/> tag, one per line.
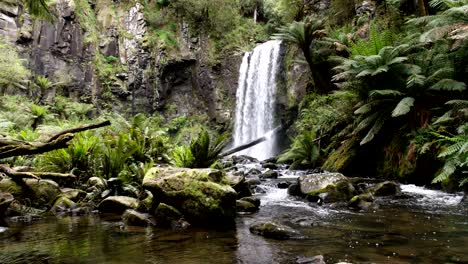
<point x="403" y="107"/>
<point x="373" y="131"/>
<point x="448" y="85"/>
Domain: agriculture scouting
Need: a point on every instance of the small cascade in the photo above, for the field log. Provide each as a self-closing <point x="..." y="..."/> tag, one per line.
<point x="255" y="99"/>
<point x="432" y="198"/>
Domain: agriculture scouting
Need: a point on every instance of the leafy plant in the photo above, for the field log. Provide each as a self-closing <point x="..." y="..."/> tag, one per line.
<point x="13" y="72"/>
<point x="306" y="35"/>
<point x="455" y="156"/>
<point x="201" y="153"/>
<point x="304" y="151"/>
<point x="79" y="158"/>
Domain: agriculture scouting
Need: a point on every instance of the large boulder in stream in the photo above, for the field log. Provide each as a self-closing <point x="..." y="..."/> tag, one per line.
<point x="326" y="187"/>
<point x="386" y="188"/>
<point x="118" y="204"/>
<point x="239" y="184"/>
<point x="203" y="196"/>
<point x="134" y="218"/>
<point x="317" y="181"/>
<point x="37" y="193"/>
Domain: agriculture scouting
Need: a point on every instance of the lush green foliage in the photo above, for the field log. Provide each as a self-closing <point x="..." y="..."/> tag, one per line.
<point x="304" y="151"/>
<point x="13" y="72"/>
<point x="202" y="152"/>
<point x="398" y="86"/>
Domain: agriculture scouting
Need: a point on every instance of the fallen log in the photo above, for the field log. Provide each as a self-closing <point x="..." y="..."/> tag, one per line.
<point x="79" y="129"/>
<point x="31" y="148"/>
<point x="12" y="148"/>
<point x="34" y="175"/>
<point x="251" y="143"/>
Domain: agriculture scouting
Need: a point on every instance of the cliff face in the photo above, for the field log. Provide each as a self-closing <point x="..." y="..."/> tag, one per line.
<point x="98" y="49"/>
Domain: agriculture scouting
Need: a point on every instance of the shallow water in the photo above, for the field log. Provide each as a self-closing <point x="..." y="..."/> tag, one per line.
<point x="422" y="227"/>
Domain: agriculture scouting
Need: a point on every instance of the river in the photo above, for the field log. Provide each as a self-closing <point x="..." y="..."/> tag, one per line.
<point x="422" y="226"/>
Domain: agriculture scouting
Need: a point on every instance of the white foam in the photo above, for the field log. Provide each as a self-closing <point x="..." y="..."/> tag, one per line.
<point x="432" y="197"/>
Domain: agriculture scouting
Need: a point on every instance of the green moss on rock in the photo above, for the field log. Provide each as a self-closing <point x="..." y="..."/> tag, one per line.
<point x="202" y="195"/>
<point x="38" y="193"/>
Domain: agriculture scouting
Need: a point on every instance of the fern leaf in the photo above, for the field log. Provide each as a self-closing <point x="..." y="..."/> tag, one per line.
<point x="448" y="169"/>
<point x="448" y="85"/>
<point x="403" y="107"/>
<point x="373" y="131"/>
<point x="386" y="92"/>
<point x="415" y="80"/>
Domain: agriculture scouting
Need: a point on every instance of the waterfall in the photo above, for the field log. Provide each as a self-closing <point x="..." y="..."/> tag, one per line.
<point x="255" y="99"/>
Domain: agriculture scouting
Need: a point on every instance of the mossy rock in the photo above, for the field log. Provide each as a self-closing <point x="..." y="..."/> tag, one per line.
<point x="148" y="203"/>
<point x="317" y="181"/>
<point x="273" y="230"/>
<point x="165" y="215"/>
<point x="253" y="200"/>
<point x="341" y="191"/>
<point x="269" y="174"/>
<point x="118" y="204"/>
<point x="134" y="218"/>
<point x="239" y="184"/>
<point x="270" y="166"/>
<point x="5" y="200"/>
<point x="37" y="193"/>
<point x="97" y="182"/>
<point x="73" y="194"/>
<point x="245" y="206"/>
<point x="63" y="204"/>
<point x="203" y="196"/>
<point x="362" y="202"/>
<point x="386" y="188"/>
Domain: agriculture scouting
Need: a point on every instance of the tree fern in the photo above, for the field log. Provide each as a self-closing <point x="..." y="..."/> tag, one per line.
<point x="303" y="152"/>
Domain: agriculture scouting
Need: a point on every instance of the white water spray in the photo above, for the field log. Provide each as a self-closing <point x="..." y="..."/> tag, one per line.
<point x="255" y="99"/>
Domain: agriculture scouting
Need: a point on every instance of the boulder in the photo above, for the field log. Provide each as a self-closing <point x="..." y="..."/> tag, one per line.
<point x="118" y="204"/>
<point x="340" y="191"/>
<point x="253" y="171"/>
<point x="269" y="174"/>
<point x="166" y="215"/>
<point x="134" y="218"/>
<point x="253" y="200"/>
<point x="39" y="193"/>
<point x="273" y="230"/>
<point x="253" y="181"/>
<point x="294" y="190"/>
<point x="148" y="203"/>
<point x="97" y="182"/>
<point x="283" y="185"/>
<point x="245" y="206"/>
<point x="386" y="188"/>
<point x="238" y="183"/>
<point x="361" y="202"/>
<point x="310" y="260"/>
<point x="270" y="166"/>
<point x="317" y="181"/>
<point x="73" y="194"/>
<point x="203" y="196"/>
<point x="5" y="200"/>
<point x="63" y="204"/>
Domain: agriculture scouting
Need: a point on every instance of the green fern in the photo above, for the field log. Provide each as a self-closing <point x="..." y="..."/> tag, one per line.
<point x="304" y="151"/>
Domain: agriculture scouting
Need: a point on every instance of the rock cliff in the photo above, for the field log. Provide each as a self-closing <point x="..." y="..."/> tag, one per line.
<point x="99" y="49"/>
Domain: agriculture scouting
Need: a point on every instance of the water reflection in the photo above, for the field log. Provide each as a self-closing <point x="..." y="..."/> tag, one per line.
<point x="400" y="231"/>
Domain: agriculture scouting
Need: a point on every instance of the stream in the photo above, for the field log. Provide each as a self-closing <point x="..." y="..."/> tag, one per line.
<point x="423" y="226"/>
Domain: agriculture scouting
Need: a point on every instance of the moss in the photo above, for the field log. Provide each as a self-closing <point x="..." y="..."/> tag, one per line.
<point x="202" y="195"/>
<point x="340" y="191"/>
<point x="87" y="19"/>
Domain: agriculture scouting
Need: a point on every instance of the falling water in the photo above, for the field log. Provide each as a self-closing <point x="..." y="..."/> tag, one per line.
<point x="255" y="99"/>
